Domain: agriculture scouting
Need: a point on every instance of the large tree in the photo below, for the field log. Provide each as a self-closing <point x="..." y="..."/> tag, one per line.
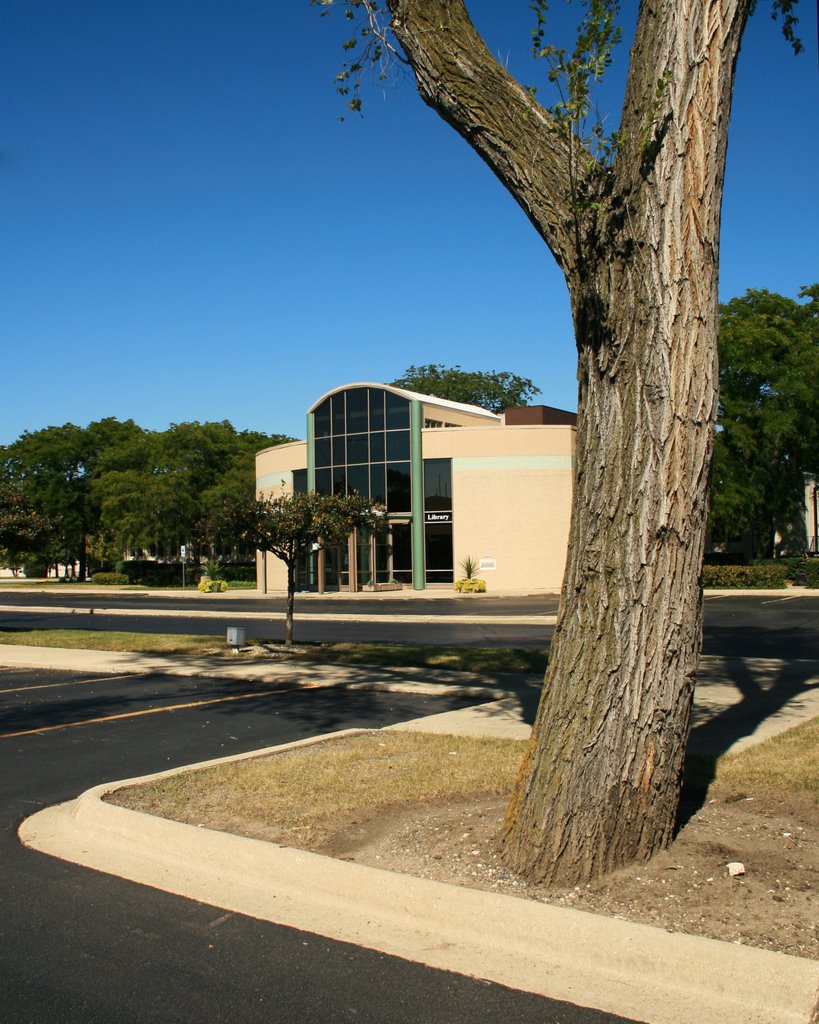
<point x="633" y="222"/>
<point x="768" y="429"/>
<point x="490" y="389"/>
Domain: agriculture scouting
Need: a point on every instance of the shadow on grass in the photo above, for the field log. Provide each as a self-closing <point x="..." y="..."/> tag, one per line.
<point x="740" y="694"/>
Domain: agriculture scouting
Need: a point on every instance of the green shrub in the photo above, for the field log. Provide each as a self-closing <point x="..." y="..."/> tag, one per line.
<point x="208" y="586"/>
<point x="169" y="574"/>
<point x="110" y="579"/>
<point x="771" y="576"/>
<point x="812" y="573"/>
<point x="34" y="568"/>
<point x="155" y="574"/>
<point x="792" y="562"/>
<point x="212" y="567"/>
<point x="470" y="586"/>
<point x="239" y="573"/>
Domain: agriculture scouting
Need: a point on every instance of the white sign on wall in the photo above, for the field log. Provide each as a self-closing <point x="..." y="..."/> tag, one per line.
<point x="486" y="564"/>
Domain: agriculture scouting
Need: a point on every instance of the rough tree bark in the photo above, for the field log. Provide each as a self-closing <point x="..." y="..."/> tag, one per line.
<point x="638" y="243"/>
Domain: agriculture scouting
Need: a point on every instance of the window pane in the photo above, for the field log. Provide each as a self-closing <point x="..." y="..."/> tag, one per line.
<point x="376" y="409"/>
<point x="356" y="410"/>
<point x="398" y="413"/>
<point x="338" y="413"/>
<point x="398" y="487"/>
<point x="339" y="480"/>
<point x="357" y="448"/>
<point x="364" y="551"/>
<point x="321" y="419"/>
<point x="323" y="481"/>
<point x="378" y="490"/>
<point x="300" y="481"/>
<point x="339" y="451"/>
<point x="402" y="552"/>
<point x="439" y="553"/>
<point x="358" y="480"/>
<point x="437" y="485"/>
<point x="377" y="448"/>
<point x="398" y="446"/>
<point x="322" y="450"/>
<point x="382" y="557"/>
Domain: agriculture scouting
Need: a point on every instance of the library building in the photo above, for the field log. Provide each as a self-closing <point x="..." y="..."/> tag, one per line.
<point x="457" y="482"/>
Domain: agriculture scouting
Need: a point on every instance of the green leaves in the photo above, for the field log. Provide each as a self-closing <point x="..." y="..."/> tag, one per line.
<point x="574" y="74"/>
<point x="370" y="48"/>
<point x="768" y="430"/>
<point x="113" y="485"/>
<point x="293" y="524"/>
<point x="23" y="531"/>
<point x="488" y="389"/>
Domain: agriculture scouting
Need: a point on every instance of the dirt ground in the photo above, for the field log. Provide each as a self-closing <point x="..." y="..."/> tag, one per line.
<point x="688" y="888"/>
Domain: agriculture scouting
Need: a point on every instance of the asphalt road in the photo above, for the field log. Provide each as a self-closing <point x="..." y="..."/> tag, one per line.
<point x="735" y="626"/>
<point x="78" y="946"/>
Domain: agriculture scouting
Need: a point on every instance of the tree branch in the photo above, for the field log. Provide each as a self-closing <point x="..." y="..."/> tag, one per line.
<point x="460" y="79"/>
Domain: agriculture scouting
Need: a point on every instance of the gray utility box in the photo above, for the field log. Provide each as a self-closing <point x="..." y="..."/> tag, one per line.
<point x="236" y="636"/>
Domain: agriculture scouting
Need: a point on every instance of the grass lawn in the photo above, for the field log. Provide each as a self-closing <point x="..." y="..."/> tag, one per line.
<point x="458" y="659"/>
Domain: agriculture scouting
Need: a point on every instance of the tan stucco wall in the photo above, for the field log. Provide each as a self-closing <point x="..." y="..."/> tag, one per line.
<point x="274" y="476"/>
<point x="511" y="495"/>
<point x="274" y="467"/>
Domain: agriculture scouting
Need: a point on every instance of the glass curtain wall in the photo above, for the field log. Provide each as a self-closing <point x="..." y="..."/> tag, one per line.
<point x="362" y="446"/>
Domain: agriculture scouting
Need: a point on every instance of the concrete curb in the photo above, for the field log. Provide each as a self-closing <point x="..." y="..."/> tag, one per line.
<point x="341" y="616"/>
<point x="612" y="965"/>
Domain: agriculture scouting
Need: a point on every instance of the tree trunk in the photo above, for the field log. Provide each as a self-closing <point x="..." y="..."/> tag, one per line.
<point x="638" y="243"/>
<point x="291" y="598"/>
<point x="600" y="784"/>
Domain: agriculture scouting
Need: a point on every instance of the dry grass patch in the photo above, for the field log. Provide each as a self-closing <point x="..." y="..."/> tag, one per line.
<point x="294" y="796"/>
<point x="783" y="767"/>
<point x="312" y="788"/>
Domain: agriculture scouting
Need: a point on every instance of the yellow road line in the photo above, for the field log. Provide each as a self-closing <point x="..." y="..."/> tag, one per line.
<point x="78" y="682"/>
<point x="148" y="711"/>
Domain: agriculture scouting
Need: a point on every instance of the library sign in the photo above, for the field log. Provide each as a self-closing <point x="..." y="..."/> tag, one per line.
<point x="437" y="517"/>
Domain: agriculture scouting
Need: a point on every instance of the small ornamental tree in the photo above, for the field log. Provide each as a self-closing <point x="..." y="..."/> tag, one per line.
<point x="291" y="526"/>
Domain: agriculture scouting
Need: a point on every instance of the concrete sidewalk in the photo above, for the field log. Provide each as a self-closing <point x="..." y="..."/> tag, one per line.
<point x="639" y="972"/>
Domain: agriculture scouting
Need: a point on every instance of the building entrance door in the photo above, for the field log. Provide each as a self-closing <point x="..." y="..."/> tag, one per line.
<point x="336" y="567"/>
<point x="379" y="556"/>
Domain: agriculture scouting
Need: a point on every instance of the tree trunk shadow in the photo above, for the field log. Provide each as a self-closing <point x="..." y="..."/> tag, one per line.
<point x="738" y="696"/>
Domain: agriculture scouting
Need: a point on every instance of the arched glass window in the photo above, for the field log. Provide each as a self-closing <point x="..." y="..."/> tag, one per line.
<point x="362" y="446"/>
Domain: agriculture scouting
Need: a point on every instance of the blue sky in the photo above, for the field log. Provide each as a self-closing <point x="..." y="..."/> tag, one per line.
<point x="188" y="232"/>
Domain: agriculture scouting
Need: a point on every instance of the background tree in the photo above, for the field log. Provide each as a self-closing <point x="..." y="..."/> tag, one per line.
<point x="113" y="486"/>
<point x="489" y="389"/>
<point x="24" y="533"/>
<point x="768" y="433"/>
<point x="294" y="525"/>
<point x="158" y="492"/>
<point x="633" y="222"/>
<point x="49" y="466"/>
